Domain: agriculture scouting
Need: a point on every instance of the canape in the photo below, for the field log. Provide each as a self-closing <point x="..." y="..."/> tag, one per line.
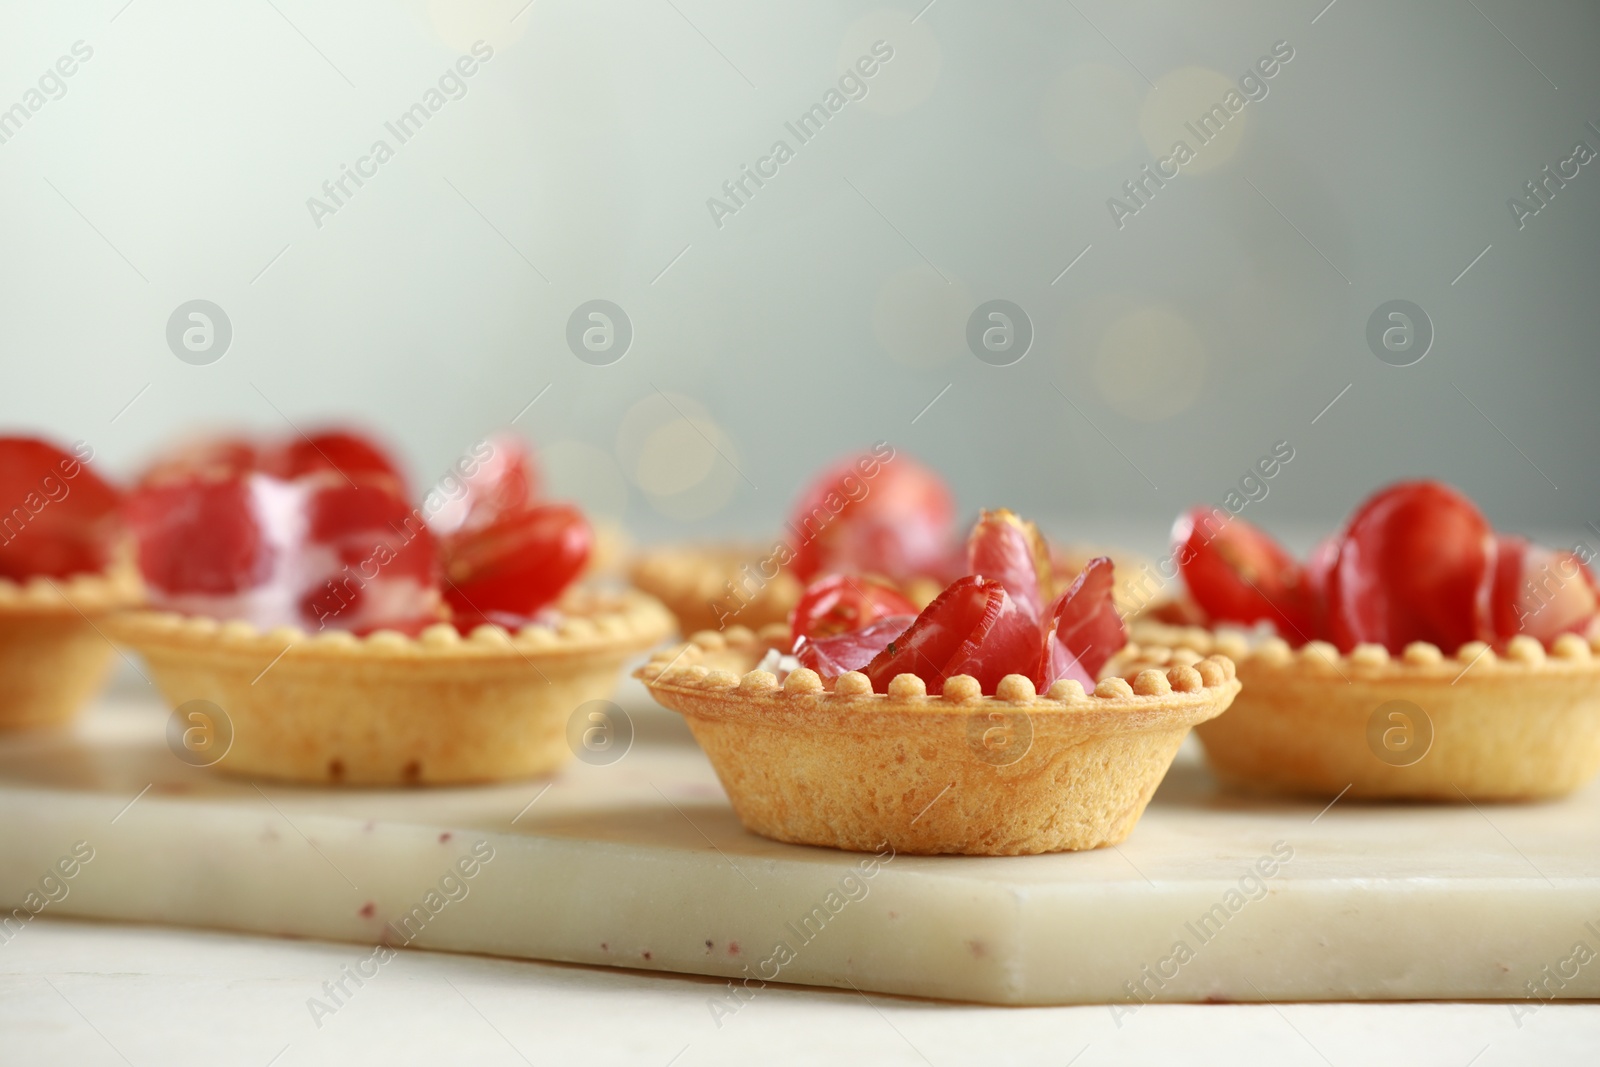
<point x="977" y="725"/>
<point x="878" y="513"/>
<point x="349" y="637"/>
<point x="59" y="574"/>
<point x="1415" y="655"/>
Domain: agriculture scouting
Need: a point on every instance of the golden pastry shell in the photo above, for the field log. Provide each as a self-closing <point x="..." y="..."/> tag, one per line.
<point x="847" y="767"/>
<point x="53" y="658"/>
<point x="1519" y="723"/>
<point x="389" y="709"/>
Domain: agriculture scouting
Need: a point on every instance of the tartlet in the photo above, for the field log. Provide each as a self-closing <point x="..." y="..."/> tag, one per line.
<point x="389" y="709"/>
<point x="52" y="656"/>
<point x="1011" y="774"/>
<point x="877" y="513"/>
<point x="347" y="632"/>
<point x="1415" y="653"/>
<point x="63" y="565"/>
<point x="696" y="583"/>
<point x="1473" y="726"/>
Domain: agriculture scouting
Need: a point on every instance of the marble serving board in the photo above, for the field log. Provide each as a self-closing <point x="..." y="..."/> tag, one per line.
<point x="640" y="863"/>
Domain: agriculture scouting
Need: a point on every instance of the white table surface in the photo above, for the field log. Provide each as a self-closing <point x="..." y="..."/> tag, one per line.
<point x="92" y="993"/>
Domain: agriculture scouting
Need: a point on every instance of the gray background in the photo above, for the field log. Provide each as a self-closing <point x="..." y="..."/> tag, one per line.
<point x="832" y="308"/>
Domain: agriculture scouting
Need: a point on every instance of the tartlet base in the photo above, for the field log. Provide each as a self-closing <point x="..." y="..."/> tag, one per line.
<point x="1012" y="774"/>
<point x="52" y="659"/>
<point x="387" y="709"/>
<point x="1524" y="724"/>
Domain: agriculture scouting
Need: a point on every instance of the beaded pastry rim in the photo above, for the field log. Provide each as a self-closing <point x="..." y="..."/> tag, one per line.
<point x="600" y="623"/>
<point x="1570" y="654"/>
<point x="1190" y="683"/>
<point x="91" y="593"/>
